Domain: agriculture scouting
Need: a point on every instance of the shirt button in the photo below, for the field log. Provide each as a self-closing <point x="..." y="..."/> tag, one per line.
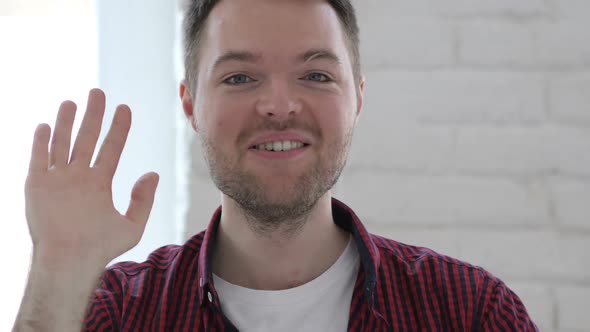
<point x="210" y="297"/>
<point x="201" y="282"/>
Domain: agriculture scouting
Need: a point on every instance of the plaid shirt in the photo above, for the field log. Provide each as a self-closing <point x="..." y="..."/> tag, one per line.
<point x="398" y="288"/>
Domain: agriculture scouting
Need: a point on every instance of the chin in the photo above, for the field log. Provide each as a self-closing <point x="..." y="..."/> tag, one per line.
<point x="281" y="196"/>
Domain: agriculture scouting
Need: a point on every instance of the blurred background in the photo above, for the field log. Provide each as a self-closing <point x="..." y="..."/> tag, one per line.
<point x="474" y="139"/>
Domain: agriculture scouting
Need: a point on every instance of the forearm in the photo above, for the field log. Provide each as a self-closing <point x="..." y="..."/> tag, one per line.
<point x="57" y="295"/>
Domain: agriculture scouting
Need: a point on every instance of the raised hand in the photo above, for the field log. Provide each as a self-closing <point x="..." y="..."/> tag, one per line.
<point x="69" y="205"/>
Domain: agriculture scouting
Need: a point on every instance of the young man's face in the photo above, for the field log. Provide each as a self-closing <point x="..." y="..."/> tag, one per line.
<point x="273" y="71"/>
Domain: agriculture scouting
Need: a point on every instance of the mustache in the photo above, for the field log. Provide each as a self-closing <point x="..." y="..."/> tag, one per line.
<point x="273" y="125"/>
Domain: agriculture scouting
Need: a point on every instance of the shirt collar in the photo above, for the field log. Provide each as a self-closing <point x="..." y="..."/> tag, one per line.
<point x="343" y="216"/>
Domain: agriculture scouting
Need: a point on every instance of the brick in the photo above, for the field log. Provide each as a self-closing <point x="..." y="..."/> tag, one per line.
<point x="573" y="307"/>
<point x="538" y="299"/>
<point x="505" y="44"/>
<point x="366" y="9"/>
<point x="570" y="198"/>
<point x="524" y="151"/>
<point x="456" y="97"/>
<point x="571" y="9"/>
<point x="485" y="43"/>
<point x="529" y="255"/>
<point x="570" y="150"/>
<point x="449" y="8"/>
<point x="378" y="144"/>
<point x="492" y="7"/>
<point x="569" y="98"/>
<point x="502" y="150"/>
<point x="405" y="42"/>
<point x="387" y="198"/>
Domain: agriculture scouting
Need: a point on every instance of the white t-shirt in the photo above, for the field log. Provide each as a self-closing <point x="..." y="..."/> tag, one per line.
<point x="322" y="304"/>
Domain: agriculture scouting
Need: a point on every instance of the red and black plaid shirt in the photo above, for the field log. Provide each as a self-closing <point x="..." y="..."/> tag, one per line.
<point x="398" y="288"/>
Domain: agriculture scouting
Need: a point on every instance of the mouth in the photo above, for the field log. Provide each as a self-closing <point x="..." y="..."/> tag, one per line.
<point x="279" y="151"/>
<point x="279" y="146"/>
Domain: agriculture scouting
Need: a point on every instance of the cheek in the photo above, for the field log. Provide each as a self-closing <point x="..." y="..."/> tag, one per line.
<point x="335" y="118"/>
<point x="226" y="118"/>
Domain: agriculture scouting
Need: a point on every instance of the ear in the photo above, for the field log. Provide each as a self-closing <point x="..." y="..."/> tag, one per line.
<point x="187" y="104"/>
<point x="359" y="97"/>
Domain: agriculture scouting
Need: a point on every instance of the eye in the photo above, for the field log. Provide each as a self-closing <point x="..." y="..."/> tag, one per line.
<point x="318" y="77"/>
<point x="238" y="79"/>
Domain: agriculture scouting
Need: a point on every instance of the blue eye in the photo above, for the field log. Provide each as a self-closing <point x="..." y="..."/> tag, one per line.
<point x="318" y="77"/>
<point x="238" y="79"/>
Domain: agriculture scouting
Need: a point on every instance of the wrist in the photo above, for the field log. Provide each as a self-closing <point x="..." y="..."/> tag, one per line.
<point x="68" y="259"/>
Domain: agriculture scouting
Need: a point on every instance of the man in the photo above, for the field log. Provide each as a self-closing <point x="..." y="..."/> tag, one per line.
<point x="273" y="89"/>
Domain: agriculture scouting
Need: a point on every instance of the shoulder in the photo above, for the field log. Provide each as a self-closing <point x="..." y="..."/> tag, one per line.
<point x="416" y="257"/>
<point x="469" y="292"/>
<point x="433" y="269"/>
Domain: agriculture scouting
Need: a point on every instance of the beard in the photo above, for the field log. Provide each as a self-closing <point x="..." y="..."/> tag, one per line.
<point x="275" y="204"/>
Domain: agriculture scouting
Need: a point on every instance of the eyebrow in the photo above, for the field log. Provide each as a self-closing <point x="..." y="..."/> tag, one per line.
<point x="241" y="56"/>
<point x="245" y="56"/>
<point x="320" y="54"/>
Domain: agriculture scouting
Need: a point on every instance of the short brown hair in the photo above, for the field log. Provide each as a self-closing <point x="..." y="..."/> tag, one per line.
<point x="197" y="12"/>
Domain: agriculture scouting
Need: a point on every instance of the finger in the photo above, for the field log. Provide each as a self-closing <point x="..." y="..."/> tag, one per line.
<point x="110" y="152"/>
<point x="59" y="152"/>
<point x="142" y="198"/>
<point x="39" y="154"/>
<point x="89" y="129"/>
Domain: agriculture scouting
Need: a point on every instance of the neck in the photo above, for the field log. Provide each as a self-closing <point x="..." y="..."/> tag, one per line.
<point x="280" y="258"/>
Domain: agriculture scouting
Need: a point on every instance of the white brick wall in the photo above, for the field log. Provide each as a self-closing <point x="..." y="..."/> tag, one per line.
<point x="569" y="98"/>
<point x="570" y="199"/>
<point x="474" y="141"/>
<point x="455" y="96"/>
<point x="524" y="44"/>
<point x="574" y="307"/>
<point x="406" y="42"/>
<point x="401" y="198"/>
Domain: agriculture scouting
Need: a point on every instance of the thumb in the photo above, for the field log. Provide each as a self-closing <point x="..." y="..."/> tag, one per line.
<point x="142" y="198"/>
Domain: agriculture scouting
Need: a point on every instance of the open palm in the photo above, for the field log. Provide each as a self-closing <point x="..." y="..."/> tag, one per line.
<point x="69" y="205"/>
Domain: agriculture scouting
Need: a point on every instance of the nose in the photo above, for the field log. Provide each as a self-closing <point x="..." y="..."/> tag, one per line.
<point x="278" y="102"/>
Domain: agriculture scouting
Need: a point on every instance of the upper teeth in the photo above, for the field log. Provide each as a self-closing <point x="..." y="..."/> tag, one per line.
<point x="280" y="146"/>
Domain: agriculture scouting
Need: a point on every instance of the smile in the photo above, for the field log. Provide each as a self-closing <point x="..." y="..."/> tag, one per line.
<point x="278" y="146"/>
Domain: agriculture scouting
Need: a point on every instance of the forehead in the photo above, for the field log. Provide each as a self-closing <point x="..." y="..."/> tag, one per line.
<point x="273" y="28"/>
